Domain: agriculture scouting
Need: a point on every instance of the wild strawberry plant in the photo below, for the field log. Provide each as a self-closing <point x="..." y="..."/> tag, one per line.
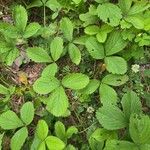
<point x="92" y="91"/>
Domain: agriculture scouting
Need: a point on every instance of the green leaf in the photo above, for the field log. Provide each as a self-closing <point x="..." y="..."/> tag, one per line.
<point x="20" y="17"/>
<point x="91" y="87"/>
<point x="50" y="70"/>
<point x="42" y="129"/>
<point x="9" y="120"/>
<point x="114" y="43"/>
<point x="120" y="145"/>
<point x="125" y="5"/>
<point x="11" y="56"/>
<point x="67" y="28"/>
<point x="131" y="104"/>
<point x="111" y="117"/>
<point x="101" y="37"/>
<point x="75" y="81"/>
<point x="3" y="90"/>
<point x="42" y="146"/>
<point x="107" y="94"/>
<point x="74" y="53"/>
<point x="95" y="49"/>
<point x="116" y="65"/>
<point x="38" y="54"/>
<point x="56" y="48"/>
<point x="70" y="131"/>
<point x="54" y="143"/>
<point x="18" y="139"/>
<point x="136" y="21"/>
<point x="27" y="112"/>
<point x="53" y="5"/>
<point x="45" y="85"/>
<point x="60" y="130"/>
<point x="111" y="12"/>
<point x="76" y="1"/>
<point x="92" y="30"/>
<point x="31" y="29"/>
<point x="115" y="80"/>
<point x="58" y="102"/>
<point x="139" y="128"/>
<point x="35" y="3"/>
<point x="1" y="140"/>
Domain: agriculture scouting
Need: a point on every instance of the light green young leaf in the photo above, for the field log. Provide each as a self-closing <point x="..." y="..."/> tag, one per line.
<point x="114" y="43"/>
<point x="116" y="65"/>
<point x="74" y="53"/>
<point x="131" y="104"/>
<point x="60" y="130"/>
<point x="75" y="81"/>
<point x="111" y="12"/>
<point x="50" y="70"/>
<point x="115" y="80"/>
<point x="18" y="139"/>
<point x="45" y="85"/>
<point x="54" y="143"/>
<point x="56" y="48"/>
<point x="31" y="29"/>
<point x="91" y="87"/>
<point x="67" y="28"/>
<point x="42" y="129"/>
<point x="3" y="90"/>
<point x="35" y="3"/>
<point x="9" y="120"/>
<point x="101" y="37"/>
<point x="76" y="1"/>
<point x="139" y="128"/>
<point x="20" y="17"/>
<point x="58" y="102"/>
<point x="42" y="146"/>
<point x="92" y="30"/>
<point x="38" y="54"/>
<point x="27" y="112"/>
<point x="70" y="131"/>
<point x="95" y="49"/>
<point x="107" y="94"/>
<point x="120" y="145"/>
<point x="111" y="117"/>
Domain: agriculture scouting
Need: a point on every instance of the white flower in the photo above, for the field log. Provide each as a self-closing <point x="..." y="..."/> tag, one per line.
<point x="90" y="110"/>
<point x="135" y="68"/>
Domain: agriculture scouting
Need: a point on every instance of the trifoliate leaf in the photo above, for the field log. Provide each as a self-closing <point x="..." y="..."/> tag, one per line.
<point x="50" y="70"/>
<point x="31" y="29"/>
<point x="116" y="65"/>
<point x="27" y="112"/>
<point x="95" y="49"/>
<point x="131" y="104"/>
<point x="111" y="117"/>
<point x="20" y="17"/>
<point x="91" y="30"/>
<point x="107" y="94"/>
<point x="42" y="130"/>
<point x="75" y="81"/>
<point x="109" y="13"/>
<point x="139" y="128"/>
<point x="115" y="80"/>
<point x="74" y="53"/>
<point x="45" y="85"/>
<point x="9" y="120"/>
<point x="18" y="139"/>
<point x="58" y="102"/>
<point x="38" y="54"/>
<point x="114" y="43"/>
<point x="56" y="48"/>
<point x="54" y="143"/>
<point x="67" y="28"/>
